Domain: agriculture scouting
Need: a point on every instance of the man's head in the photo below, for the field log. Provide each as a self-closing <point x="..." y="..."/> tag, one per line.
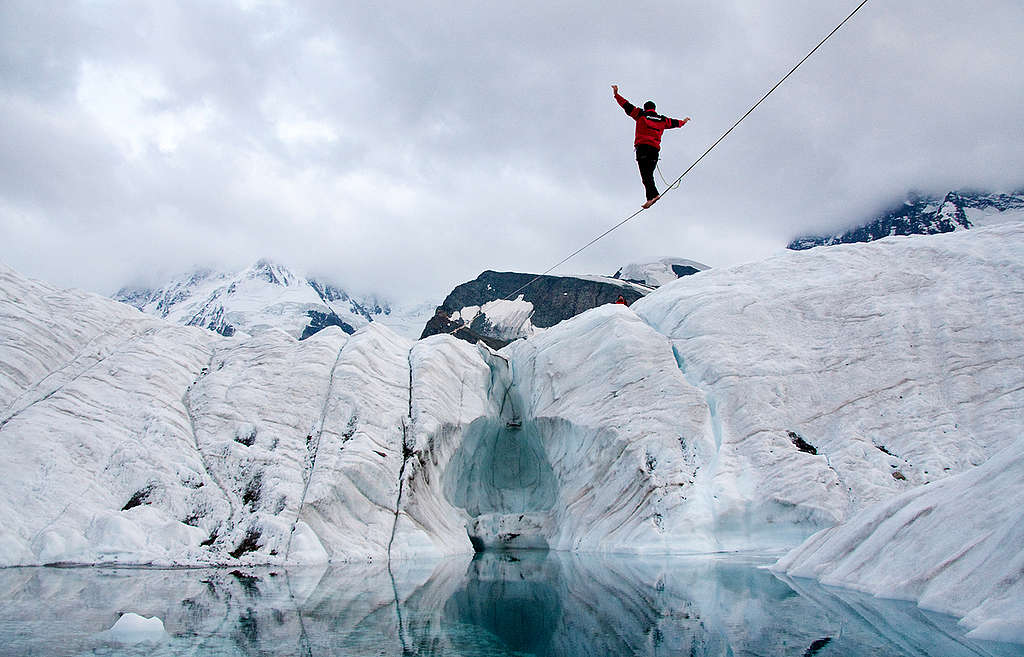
<point x="649" y="105"/>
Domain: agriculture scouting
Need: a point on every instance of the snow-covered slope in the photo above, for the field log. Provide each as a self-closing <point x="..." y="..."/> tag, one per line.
<point x="897" y="362"/>
<point x="265" y="296"/>
<point x="887" y="366"/>
<point x="737" y="409"/>
<point x="659" y="271"/>
<point x="171" y="444"/>
<point x="955" y="546"/>
<point x="92" y="419"/>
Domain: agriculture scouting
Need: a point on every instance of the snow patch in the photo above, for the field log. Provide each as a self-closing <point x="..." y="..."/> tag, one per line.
<point x="656" y="272"/>
<point x="502" y="319"/>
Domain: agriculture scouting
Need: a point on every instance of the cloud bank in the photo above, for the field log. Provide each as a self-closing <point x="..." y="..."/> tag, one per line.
<point x="404" y="147"/>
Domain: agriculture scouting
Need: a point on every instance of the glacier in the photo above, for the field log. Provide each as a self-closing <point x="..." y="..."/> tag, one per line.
<point x="965" y="531"/>
<point x="807" y="397"/>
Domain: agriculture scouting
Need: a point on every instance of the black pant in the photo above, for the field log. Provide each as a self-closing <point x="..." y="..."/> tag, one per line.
<point x="647" y="160"/>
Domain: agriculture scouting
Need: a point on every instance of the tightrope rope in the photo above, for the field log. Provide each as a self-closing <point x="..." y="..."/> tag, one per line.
<point x="676" y="182"/>
<point x="777" y="85"/>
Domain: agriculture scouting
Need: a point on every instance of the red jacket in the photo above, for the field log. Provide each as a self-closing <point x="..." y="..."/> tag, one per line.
<point x="649" y="124"/>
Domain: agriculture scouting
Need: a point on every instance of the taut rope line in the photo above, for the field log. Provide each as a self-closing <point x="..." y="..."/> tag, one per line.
<point x="675" y="183"/>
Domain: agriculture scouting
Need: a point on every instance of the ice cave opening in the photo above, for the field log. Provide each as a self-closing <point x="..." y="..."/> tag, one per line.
<point x="501" y="476"/>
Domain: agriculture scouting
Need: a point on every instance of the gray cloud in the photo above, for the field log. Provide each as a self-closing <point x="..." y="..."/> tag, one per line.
<point x="403" y="147"/>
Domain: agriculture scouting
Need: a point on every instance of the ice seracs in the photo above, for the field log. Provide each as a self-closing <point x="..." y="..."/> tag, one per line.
<point x="605" y="401"/>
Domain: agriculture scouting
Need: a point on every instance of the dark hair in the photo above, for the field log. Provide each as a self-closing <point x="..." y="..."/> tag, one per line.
<point x="649" y="105"/>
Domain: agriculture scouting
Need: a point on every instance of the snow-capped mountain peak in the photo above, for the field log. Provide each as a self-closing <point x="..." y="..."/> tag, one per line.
<point x="159" y="301"/>
<point x="921" y="214"/>
<point x="273" y="273"/>
<point x="266" y="295"/>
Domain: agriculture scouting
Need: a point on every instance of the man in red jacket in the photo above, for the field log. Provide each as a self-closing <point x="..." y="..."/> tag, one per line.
<point x="649" y="126"/>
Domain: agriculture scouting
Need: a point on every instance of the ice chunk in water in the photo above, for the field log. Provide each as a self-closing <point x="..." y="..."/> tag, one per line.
<point x="133" y="628"/>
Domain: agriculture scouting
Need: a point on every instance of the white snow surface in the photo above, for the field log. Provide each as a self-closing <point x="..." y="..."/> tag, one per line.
<point x="408" y="320"/>
<point x="670" y="426"/>
<point x="655" y="272"/>
<point x="617" y="282"/>
<point x="911" y="346"/>
<point x="992" y="217"/>
<point x="955" y="546"/>
<point x="504" y="319"/>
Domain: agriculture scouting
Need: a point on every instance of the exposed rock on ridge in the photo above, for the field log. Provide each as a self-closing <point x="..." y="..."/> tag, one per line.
<point x="544" y="303"/>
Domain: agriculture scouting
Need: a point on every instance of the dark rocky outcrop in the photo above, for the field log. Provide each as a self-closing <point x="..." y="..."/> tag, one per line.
<point x="554" y="299"/>
<point x="802" y="444"/>
<point x="684" y="270"/>
<point x="318" y="321"/>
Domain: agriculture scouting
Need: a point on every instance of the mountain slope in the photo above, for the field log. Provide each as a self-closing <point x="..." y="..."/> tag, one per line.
<point x="266" y="295"/>
<point x="955" y="546"/>
<point x="927" y="215"/>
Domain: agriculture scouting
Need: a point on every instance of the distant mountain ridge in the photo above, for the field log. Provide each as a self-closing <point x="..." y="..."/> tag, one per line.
<point x="265" y="295"/>
<point x="925" y="215"/>
<point x="269" y="295"/>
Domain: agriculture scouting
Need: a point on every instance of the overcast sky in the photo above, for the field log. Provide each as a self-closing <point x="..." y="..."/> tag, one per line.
<point x="404" y="147"/>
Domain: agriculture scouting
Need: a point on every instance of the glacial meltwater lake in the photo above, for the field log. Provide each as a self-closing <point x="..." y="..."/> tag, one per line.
<point x="497" y="603"/>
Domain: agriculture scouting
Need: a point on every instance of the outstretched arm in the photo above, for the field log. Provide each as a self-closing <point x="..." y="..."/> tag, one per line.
<point x="678" y="123"/>
<point x="628" y="107"/>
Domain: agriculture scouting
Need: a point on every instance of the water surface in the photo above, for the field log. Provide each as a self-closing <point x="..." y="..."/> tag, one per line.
<point x="498" y="603"/>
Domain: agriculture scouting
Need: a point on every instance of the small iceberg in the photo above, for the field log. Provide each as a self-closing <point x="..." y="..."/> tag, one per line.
<point x="133" y="628"/>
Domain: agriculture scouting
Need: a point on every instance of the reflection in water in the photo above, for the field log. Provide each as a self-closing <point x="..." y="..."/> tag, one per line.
<point x="498" y="603"/>
<point x="510" y="599"/>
